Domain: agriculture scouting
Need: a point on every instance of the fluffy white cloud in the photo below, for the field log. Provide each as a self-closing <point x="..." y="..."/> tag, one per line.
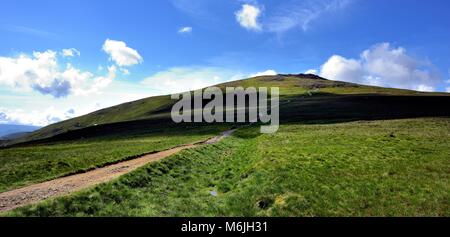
<point x="99" y="83"/>
<point x="425" y="88"/>
<point x="265" y="73"/>
<point x="180" y="79"/>
<point x="448" y="89"/>
<point x="121" y="54"/>
<point x="34" y="117"/>
<point x="340" y="68"/>
<point x="185" y="30"/>
<point x="382" y="65"/>
<point x="311" y="71"/>
<point x="247" y="17"/>
<point x="72" y="52"/>
<point x="42" y="73"/>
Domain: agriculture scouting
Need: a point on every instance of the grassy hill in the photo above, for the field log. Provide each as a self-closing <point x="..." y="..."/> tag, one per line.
<point x="303" y="96"/>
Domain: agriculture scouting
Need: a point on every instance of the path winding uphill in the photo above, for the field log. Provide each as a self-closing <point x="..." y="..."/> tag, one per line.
<point x="62" y="186"/>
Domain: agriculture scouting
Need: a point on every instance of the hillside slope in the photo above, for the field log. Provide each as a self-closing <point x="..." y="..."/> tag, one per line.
<point x="303" y="97"/>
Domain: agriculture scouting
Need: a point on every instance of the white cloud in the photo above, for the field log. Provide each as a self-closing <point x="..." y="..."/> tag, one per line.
<point x="41" y="72"/>
<point x="185" y="30"/>
<point x="180" y="79"/>
<point x="34" y="117"/>
<point x="447" y="89"/>
<point x="99" y="83"/>
<point x="340" y="68"/>
<point x="382" y="65"/>
<point x="247" y="17"/>
<point x="425" y="88"/>
<point x="265" y="73"/>
<point x="301" y="13"/>
<point x="121" y="54"/>
<point x="312" y="71"/>
<point x="72" y="52"/>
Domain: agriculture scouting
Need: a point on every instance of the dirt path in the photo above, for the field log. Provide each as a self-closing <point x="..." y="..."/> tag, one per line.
<point x="62" y="186"/>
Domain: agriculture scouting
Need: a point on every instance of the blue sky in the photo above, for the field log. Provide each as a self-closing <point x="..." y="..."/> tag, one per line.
<point x="60" y="59"/>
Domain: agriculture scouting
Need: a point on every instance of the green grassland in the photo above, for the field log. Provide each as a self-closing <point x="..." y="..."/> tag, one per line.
<point x="362" y="168"/>
<point x="21" y="166"/>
